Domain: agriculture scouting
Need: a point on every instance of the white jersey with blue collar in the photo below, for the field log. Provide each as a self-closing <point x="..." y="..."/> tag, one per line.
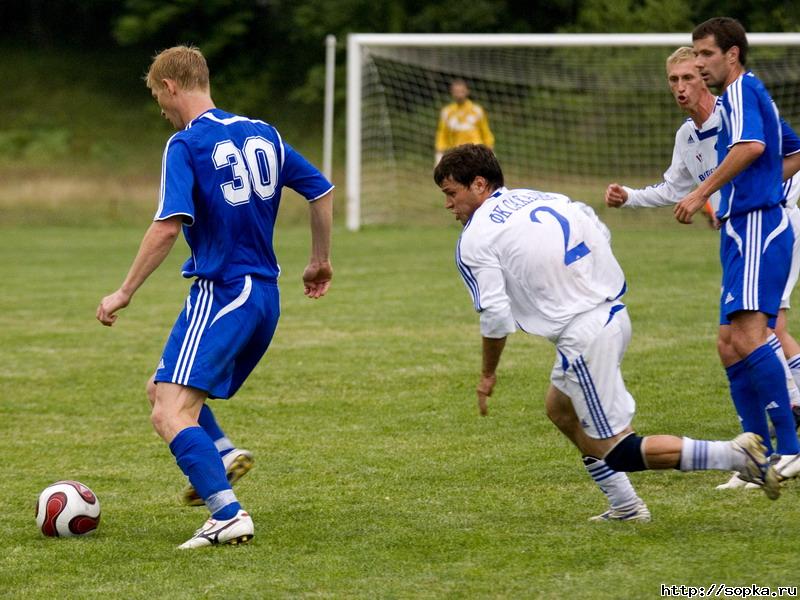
<point x="536" y="261"/>
<point x="694" y="158"/>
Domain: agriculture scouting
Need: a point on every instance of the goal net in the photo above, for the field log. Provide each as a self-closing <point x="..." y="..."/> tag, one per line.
<point x="570" y="112"/>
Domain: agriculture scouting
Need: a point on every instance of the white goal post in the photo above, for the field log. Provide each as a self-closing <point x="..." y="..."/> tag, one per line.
<point x="565" y="108"/>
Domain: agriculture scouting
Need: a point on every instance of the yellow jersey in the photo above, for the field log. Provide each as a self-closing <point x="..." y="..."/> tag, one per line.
<point x="465" y="123"/>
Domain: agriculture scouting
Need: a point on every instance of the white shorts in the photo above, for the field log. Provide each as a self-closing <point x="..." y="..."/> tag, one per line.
<point x="593" y="380"/>
<point x="794" y="219"/>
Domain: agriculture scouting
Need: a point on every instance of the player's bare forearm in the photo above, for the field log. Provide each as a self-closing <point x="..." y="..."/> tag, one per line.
<point x="154" y="248"/>
<point x="739" y="158"/>
<point x="491" y="353"/>
<point x="318" y="274"/>
<point x="791" y="165"/>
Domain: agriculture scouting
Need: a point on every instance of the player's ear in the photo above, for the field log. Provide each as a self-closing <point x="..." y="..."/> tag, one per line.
<point x="170" y="85"/>
<point x="479" y="184"/>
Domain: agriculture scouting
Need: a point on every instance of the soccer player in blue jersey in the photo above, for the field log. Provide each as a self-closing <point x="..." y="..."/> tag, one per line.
<point x="756" y="238"/>
<point x="221" y="182"/>
<point x="695" y="158"/>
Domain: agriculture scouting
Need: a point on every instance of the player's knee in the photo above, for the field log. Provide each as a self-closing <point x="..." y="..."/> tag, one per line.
<point x="151" y="388"/>
<point x="727" y="353"/>
<point x="161" y="415"/>
<point x="158" y="417"/>
<point x="626" y="456"/>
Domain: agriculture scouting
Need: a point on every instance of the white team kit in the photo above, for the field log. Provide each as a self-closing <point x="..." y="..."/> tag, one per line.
<point x="694" y="158"/>
<point x="542" y="263"/>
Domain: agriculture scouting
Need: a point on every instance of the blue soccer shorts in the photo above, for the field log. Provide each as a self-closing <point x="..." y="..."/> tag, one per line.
<point x="221" y="335"/>
<point x="756" y="255"/>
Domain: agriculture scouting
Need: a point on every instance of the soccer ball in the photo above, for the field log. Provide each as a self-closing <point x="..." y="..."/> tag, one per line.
<point x="67" y="508"/>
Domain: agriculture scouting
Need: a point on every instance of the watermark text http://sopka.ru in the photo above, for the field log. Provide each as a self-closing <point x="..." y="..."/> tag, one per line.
<point x="721" y="590"/>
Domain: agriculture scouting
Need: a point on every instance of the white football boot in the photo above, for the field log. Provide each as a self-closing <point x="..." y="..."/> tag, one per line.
<point x="755" y="466"/>
<point x="237" y="530"/>
<point x="735" y="482"/>
<point x="237" y="463"/>
<point x="638" y="512"/>
<point x="788" y="466"/>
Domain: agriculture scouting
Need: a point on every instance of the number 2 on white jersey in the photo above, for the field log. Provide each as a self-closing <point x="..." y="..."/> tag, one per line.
<point x="256" y="168"/>
<point x="578" y="251"/>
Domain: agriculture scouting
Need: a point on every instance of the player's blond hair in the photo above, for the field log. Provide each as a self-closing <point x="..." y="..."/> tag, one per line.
<point x="680" y="55"/>
<point x="184" y="64"/>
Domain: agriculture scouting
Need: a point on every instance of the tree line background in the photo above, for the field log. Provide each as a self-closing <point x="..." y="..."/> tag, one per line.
<point x="74" y="101"/>
<point x="272" y="50"/>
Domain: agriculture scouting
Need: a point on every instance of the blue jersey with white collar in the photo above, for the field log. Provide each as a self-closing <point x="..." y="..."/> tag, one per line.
<point x="749" y="115"/>
<point x="224" y="175"/>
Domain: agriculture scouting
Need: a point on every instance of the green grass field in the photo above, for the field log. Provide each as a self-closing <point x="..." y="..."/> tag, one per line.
<point x="375" y="477"/>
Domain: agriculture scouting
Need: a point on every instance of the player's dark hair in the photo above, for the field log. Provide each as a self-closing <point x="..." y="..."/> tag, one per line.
<point x="727" y="33"/>
<point x="466" y="162"/>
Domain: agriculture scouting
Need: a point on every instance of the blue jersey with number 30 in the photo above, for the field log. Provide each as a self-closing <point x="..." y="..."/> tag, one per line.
<point x="224" y="174"/>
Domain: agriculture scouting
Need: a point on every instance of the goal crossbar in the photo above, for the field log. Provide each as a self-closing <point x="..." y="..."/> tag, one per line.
<point x="356" y="58"/>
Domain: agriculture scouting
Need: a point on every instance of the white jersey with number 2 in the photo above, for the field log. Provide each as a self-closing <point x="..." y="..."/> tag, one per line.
<point x="536" y="261"/>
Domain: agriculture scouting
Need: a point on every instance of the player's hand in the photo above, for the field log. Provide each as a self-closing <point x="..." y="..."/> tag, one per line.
<point x="616" y="195"/>
<point x="484" y="390"/>
<point x="708" y="213"/>
<point x="686" y="208"/>
<point x="106" y="311"/>
<point x="317" y="279"/>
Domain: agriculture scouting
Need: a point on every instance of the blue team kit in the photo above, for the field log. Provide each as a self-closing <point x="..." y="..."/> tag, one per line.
<point x="224" y="175"/>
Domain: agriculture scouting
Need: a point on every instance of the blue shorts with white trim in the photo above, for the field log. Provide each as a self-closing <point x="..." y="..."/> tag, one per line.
<point x="756" y="254"/>
<point x="221" y="334"/>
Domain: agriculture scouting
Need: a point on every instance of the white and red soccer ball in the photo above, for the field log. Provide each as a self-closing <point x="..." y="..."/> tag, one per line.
<point x="67" y="508"/>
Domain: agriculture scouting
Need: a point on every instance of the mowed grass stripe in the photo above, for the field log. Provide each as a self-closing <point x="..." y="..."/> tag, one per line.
<point x="374" y="476"/>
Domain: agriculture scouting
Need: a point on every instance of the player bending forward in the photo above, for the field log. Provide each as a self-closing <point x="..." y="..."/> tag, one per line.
<point x="221" y="182"/>
<point x="542" y="263"/>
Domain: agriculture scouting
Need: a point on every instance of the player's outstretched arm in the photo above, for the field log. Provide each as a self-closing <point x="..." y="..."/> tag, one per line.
<point x="155" y="246"/>
<point x="319" y="272"/>
<point x="739" y="158"/>
<point x="616" y="195"/>
<point x="492" y="350"/>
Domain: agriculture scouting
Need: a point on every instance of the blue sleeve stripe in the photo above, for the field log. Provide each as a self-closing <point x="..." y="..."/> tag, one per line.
<point x="469" y="278"/>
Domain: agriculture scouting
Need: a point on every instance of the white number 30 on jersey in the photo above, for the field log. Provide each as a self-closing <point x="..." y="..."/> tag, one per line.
<point x="254" y="167"/>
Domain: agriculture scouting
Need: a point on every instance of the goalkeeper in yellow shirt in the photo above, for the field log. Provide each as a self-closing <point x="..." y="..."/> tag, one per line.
<point x="462" y="122"/>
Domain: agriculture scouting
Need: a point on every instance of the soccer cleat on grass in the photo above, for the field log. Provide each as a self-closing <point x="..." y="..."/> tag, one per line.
<point x="787" y="466"/>
<point x="237" y="463"/>
<point x="757" y="468"/>
<point x="639" y="512"/>
<point x="237" y="530"/>
<point x="734" y="482"/>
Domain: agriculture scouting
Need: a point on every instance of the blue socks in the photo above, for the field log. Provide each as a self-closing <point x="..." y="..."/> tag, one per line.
<point x="209" y="424"/>
<point x="745" y="400"/>
<point x="758" y="387"/>
<point x="199" y="460"/>
<point x="768" y="379"/>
